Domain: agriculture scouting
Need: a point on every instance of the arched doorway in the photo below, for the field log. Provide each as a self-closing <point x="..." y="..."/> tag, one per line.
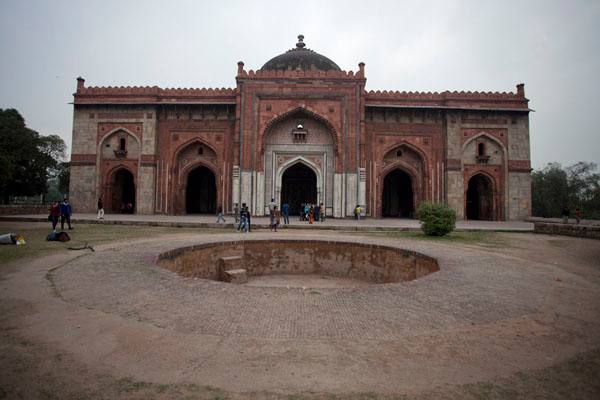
<point x="298" y="185"/>
<point x="201" y="193"/>
<point x="122" y="191"/>
<point x="479" y="198"/>
<point x="398" y="197"/>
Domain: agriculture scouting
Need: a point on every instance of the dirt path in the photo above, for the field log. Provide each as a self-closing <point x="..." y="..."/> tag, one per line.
<point x="110" y="324"/>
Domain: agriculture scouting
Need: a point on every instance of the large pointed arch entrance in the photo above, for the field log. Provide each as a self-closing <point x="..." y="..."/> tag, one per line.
<point x="480" y="205"/>
<point x="298" y="185"/>
<point x="201" y="192"/>
<point x="398" y="195"/>
<point x="122" y="191"/>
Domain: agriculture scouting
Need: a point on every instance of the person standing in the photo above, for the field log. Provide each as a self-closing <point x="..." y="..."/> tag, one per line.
<point x="54" y="214"/>
<point x="565" y="215"/>
<point x="357" y="213"/>
<point x="220" y="213"/>
<point x="236" y="213"/>
<point x="578" y="215"/>
<point x="310" y="214"/>
<point x="285" y="210"/>
<point x="65" y="214"/>
<point x="249" y="216"/>
<point x="276" y="219"/>
<point x="322" y="213"/>
<point x="100" y="208"/>
<point x="243" y="218"/>
<point x="271" y="209"/>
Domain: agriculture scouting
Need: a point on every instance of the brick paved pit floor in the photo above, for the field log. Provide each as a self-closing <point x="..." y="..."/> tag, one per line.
<point x="486" y="313"/>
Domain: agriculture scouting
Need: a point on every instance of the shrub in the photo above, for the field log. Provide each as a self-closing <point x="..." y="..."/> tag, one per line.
<point x="436" y="219"/>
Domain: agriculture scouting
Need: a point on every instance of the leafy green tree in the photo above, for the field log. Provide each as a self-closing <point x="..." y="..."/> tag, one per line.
<point x="27" y="160"/>
<point x="550" y="191"/>
<point x="554" y="188"/>
<point x="64" y="176"/>
<point x="51" y="150"/>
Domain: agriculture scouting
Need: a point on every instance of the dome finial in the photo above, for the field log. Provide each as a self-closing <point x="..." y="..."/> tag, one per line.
<point x="300" y="44"/>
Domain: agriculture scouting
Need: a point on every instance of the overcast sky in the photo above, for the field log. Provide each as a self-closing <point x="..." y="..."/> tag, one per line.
<point x="551" y="46"/>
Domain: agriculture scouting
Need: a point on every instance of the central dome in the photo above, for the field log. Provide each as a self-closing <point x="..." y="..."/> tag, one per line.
<point x="300" y="58"/>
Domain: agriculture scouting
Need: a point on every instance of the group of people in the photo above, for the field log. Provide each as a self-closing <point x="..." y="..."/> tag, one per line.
<point x="62" y="210"/>
<point x="242" y="217"/>
<point x="308" y="212"/>
<point x="312" y="212"/>
<point x="565" y="214"/>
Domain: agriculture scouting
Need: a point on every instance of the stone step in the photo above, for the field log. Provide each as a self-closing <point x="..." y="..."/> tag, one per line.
<point x="237" y="276"/>
<point x="229" y="263"/>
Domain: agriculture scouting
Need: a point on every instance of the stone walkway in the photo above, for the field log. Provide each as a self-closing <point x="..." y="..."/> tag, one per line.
<point x="471" y="289"/>
<point x="486" y="313"/>
<point x="369" y="224"/>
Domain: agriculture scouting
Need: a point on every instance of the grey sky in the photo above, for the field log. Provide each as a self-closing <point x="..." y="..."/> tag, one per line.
<point x="551" y="46"/>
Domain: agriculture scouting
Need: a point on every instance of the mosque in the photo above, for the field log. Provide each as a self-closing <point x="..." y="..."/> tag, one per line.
<point x="300" y="129"/>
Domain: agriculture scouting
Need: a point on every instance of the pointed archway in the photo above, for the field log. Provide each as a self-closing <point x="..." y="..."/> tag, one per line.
<point x="480" y="198"/>
<point x="398" y="196"/>
<point x="201" y="193"/>
<point x="298" y="185"/>
<point x="122" y="189"/>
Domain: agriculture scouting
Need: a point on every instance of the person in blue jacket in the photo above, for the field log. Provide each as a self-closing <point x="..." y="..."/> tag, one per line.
<point x="65" y="214"/>
<point x="285" y="210"/>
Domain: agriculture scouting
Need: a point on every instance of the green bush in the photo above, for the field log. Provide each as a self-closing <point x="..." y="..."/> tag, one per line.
<point x="436" y="219"/>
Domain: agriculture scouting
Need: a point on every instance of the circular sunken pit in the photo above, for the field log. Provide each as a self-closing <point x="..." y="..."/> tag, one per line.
<point x="240" y="260"/>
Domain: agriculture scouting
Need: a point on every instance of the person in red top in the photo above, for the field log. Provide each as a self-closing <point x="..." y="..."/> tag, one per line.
<point x="578" y="216"/>
<point x="54" y="214"/>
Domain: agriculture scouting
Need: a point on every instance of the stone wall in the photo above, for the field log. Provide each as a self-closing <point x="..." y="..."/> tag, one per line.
<point x="24" y="209"/>
<point x="587" y="231"/>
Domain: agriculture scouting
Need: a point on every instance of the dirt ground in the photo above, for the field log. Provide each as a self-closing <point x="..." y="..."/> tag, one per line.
<point x="515" y="316"/>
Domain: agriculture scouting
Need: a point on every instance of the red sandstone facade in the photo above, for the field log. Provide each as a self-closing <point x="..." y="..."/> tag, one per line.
<point x="301" y="130"/>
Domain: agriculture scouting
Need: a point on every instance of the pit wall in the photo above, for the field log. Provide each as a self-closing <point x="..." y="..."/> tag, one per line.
<point x="373" y="263"/>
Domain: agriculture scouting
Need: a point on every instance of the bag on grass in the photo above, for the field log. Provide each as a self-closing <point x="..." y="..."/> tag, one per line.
<point x="58" y="236"/>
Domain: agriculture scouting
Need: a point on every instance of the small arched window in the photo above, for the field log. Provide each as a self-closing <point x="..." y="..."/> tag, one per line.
<point x="200" y="150"/>
<point x="399" y="153"/>
<point x="481" y="149"/>
<point x="122" y="144"/>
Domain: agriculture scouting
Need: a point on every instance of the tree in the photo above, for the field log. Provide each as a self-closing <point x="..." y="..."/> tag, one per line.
<point x="51" y="150"/>
<point x="554" y="188"/>
<point x="549" y="191"/>
<point x="27" y="160"/>
<point x="64" y="176"/>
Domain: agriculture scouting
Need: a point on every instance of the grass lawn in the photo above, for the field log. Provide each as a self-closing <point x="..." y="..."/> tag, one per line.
<point x="93" y="234"/>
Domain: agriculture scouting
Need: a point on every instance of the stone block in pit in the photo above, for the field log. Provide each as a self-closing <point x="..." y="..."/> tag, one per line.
<point x="229" y="263"/>
<point x="237" y="276"/>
